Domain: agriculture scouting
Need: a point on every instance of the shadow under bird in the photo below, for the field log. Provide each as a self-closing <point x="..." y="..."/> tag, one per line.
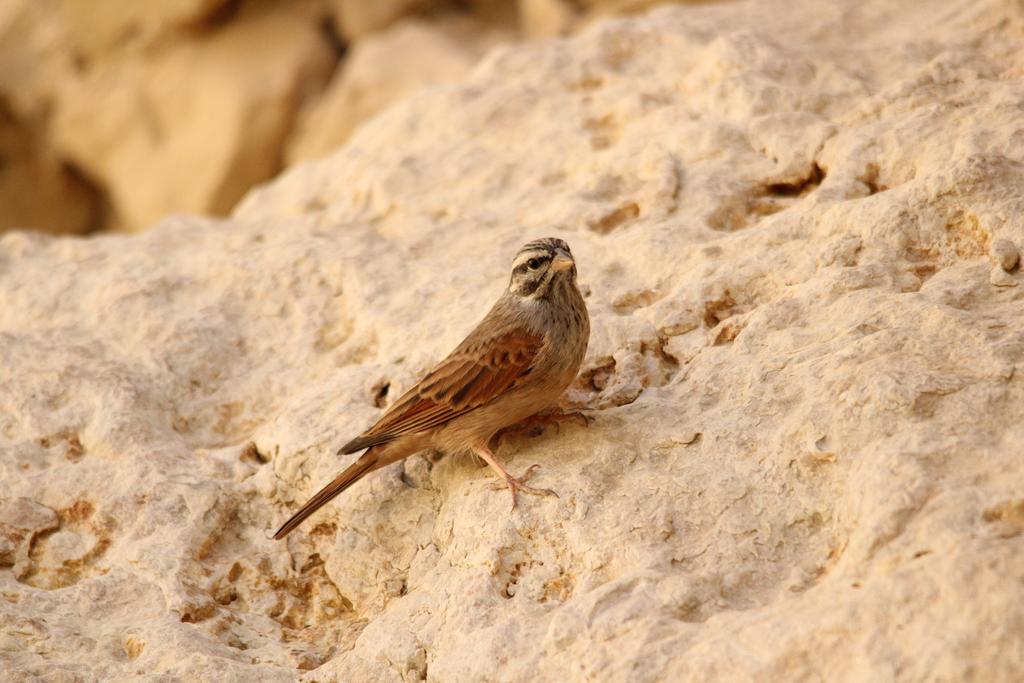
<point x="516" y="363"/>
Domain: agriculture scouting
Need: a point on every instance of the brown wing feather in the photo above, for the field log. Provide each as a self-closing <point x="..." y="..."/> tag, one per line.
<point x="479" y="370"/>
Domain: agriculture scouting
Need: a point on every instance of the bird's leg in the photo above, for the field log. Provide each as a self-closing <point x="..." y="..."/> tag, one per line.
<point x="541" y="420"/>
<point x="511" y="482"/>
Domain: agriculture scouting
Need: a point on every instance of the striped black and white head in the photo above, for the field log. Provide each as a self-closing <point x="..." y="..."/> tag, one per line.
<point x="542" y="267"/>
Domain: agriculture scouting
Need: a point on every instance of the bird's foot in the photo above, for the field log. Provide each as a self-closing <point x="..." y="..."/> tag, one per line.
<point x="514" y="485"/>
<point x="535" y="424"/>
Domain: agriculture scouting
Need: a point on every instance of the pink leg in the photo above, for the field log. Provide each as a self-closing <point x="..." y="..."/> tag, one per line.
<point x="511" y="482"/>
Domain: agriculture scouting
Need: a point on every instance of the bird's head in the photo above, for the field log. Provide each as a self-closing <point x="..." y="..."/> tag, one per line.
<point x="540" y="264"/>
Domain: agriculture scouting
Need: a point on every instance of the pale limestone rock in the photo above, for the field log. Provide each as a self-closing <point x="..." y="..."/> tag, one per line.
<point x="21" y="521"/>
<point x="805" y="461"/>
<point x="1004" y="254"/>
<point x="193" y="125"/>
<point x="1001" y="278"/>
<point x="381" y="70"/>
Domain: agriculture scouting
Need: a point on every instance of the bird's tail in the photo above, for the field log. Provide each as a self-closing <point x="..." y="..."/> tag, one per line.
<point x="368" y="462"/>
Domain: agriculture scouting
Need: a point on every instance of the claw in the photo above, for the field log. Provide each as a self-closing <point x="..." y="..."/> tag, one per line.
<point x="513" y="484"/>
<point x="517" y="485"/>
<point x="580" y="418"/>
<point x="542" y="420"/>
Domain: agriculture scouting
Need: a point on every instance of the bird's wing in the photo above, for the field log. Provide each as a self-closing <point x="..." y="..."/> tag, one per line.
<point x="482" y="368"/>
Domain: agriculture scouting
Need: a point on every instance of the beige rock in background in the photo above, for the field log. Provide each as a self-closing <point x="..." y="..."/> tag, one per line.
<point x="808" y="394"/>
<point x="203" y="120"/>
<point x="37" y="186"/>
<point x="122" y="113"/>
<point x="384" y="69"/>
<point x="357" y="19"/>
<point x="98" y="28"/>
<point x="30" y="171"/>
<point x="547" y="18"/>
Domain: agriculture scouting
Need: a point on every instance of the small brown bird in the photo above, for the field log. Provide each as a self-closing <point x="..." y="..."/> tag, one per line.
<point x="517" y="362"/>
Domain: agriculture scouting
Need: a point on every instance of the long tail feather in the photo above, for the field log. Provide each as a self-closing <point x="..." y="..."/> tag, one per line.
<point x="353" y="473"/>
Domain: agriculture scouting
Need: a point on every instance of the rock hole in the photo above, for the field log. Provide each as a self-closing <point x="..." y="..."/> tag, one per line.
<point x="380" y="394"/>
<point x="603" y="131"/>
<point x="1007" y="518"/>
<point x="225" y="595"/>
<point x="193" y="614"/>
<point x="633" y="300"/>
<point x="251" y="454"/>
<point x="922" y="261"/>
<point x="599" y="377"/>
<point x="79" y="511"/>
<point x="324" y="529"/>
<point x="312" y="563"/>
<point x="587" y="83"/>
<point x="615" y="219"/>
<point x="727" y="334"/>
<point x="406" y="479"/>
<point x="133" y="647"/>
<point x="870" y="179"/>
<point x="74" y="451"/>
<point x="509" y="591"/>
<point x="800" y="187"/>
<point x="717" y="310"/>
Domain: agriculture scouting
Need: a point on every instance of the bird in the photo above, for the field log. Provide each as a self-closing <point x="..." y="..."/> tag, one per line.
<point x="516" y="363"/>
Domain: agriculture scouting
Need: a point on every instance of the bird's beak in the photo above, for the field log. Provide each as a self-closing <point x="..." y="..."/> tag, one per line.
<point x="561" y="262"/>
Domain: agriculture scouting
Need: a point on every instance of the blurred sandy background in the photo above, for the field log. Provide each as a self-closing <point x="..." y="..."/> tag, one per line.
<point x="114" y="114"/>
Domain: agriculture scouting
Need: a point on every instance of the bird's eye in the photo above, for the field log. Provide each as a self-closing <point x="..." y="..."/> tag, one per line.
<point x="533" y="264"/>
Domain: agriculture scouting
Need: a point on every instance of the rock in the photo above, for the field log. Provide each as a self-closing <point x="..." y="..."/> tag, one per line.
<point x="605" y="8"/>
<point x="546" y="18"/>
<point x="37" y="189"/>
<point x="29" y="52"/>
<point x="24" y="515"/>
<point x="21" y="521"/>
<point x="1001" y="278"/>
<point x="1004" y="255"/>
<point x="97" y="26"/>
<point x="357" y="19"/>
<point x="380" y="71"/>
<point x="804" y="459"/>
<point x="208" y="133"/>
